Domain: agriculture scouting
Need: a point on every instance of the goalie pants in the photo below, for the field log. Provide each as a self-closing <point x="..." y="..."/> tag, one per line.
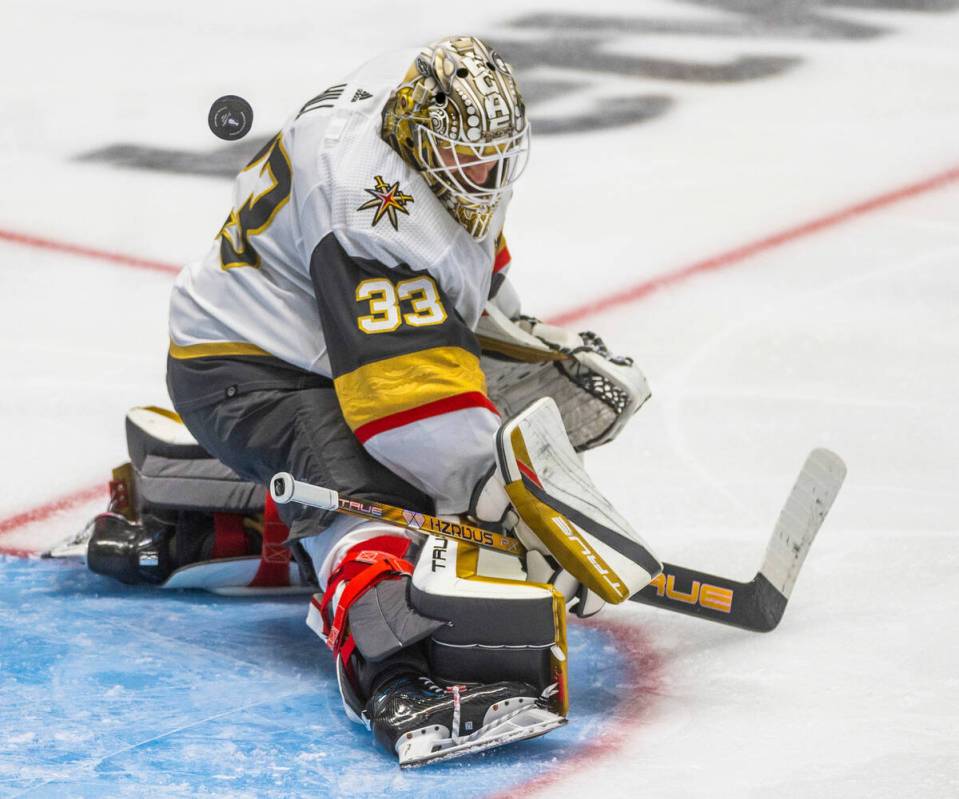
<point x="293" y="426"/>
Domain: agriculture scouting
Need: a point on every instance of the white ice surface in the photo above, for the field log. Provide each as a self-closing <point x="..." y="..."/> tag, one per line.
<point x="848" y="338"/>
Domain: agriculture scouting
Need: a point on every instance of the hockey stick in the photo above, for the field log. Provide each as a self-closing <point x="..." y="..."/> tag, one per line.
<point x="757" y="605"/>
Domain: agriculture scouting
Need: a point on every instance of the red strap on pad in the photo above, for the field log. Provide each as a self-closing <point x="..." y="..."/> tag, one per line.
<point x="363" y="566"/>
<point x="381" y="565"/>
<point x="229" y="540"/>
<point x="274" y="567"/>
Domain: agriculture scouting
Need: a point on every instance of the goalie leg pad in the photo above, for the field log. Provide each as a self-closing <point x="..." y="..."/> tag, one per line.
<point x="500" y="626"/>
<point x="565" y="511"/>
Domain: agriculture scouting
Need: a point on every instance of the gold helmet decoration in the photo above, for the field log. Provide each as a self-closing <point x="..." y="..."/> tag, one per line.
<point x="459" y="119"/>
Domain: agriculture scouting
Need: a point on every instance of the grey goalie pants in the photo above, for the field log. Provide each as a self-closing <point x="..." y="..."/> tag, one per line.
<point x="285" y="421"/>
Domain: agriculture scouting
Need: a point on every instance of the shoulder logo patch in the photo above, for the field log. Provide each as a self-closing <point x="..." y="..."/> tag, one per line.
<point x="361" y="94"/>
<point x="387" y="200"/>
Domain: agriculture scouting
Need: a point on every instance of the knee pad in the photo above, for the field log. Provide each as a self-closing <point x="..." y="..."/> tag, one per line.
<point x="499" y="627"/>
<point x="364" y="613"/>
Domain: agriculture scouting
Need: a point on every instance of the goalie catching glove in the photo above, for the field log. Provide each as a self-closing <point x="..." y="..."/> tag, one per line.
<point x="525" y="359"/>
<point x="576" y="539"/>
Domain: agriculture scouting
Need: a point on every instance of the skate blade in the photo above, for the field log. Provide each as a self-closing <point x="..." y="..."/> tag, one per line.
<point x="525" y="723"/>
<point x="72" y="548"/>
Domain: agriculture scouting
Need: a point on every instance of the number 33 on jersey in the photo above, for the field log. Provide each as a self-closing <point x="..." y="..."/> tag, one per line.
<point x="269" y="176"/>
<point x="384" y="299"/>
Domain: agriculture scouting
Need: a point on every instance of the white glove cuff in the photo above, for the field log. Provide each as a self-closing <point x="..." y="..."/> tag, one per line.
<point x="491" y="503"/>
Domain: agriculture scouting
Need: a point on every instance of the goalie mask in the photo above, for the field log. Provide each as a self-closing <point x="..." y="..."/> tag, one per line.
<point x="459" y="119"/>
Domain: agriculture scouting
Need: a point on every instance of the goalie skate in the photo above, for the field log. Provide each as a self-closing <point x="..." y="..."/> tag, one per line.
<point x="423" y="722"/>
<point x="72" y="548"/>
<point x="433" y="744"/>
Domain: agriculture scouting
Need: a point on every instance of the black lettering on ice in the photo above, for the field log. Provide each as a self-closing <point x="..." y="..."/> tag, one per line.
<point x="591" y="45"/>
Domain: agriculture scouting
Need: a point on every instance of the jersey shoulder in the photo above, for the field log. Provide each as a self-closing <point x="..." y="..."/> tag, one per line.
<point x="316" y="132"/>
<point x="385" y="211"/>
<point x="347" y="179"/>
<point x="352" y="184"/>
<point x="382" y="204"/>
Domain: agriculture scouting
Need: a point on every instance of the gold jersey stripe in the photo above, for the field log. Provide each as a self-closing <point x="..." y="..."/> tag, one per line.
<point x="403" y="382"/>
<point x="214" y="348"/>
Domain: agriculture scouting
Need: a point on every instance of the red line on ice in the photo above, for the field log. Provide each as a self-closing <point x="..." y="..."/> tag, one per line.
<point x="637" y="291"/>
<point x="623" y="296"/>
<point x="46" y="511"/>
<point x="643" y="684"/>
<point x="87" y="252"/>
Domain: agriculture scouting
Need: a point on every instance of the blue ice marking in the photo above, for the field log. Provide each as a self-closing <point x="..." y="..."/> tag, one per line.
<point x="107" y="690"/>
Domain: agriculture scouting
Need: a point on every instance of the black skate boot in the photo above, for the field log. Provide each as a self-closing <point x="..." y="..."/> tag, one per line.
<point x="131" y="553"/>
<point x="422" y="722"/>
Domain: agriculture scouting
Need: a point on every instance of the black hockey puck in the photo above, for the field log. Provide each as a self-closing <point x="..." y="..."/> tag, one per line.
<point x="231" y="117"/>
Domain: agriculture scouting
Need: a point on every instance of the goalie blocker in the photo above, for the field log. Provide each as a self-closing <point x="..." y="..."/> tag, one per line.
<point x="541" y="490"/>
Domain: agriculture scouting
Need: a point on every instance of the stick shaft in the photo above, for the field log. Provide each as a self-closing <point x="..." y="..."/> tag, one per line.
<point x="431" y="525"/>
<point x="285" y="489"/>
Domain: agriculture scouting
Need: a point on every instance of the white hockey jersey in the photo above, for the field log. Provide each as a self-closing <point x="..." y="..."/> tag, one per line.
<point x="338" y="259"/>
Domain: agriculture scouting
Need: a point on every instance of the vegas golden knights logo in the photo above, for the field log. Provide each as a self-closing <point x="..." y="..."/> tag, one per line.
<point x="387" y="200"/>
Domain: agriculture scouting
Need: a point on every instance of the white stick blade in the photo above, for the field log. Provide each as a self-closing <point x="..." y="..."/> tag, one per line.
<point x="801" y="517"/>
